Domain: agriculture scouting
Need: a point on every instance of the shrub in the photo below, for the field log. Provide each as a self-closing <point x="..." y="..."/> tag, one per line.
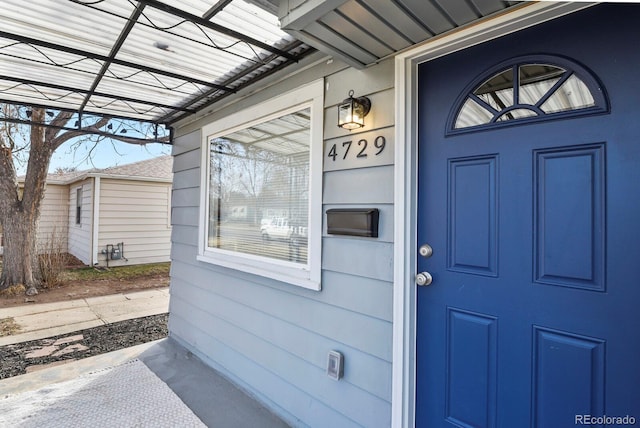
<point x="52" y="260"/>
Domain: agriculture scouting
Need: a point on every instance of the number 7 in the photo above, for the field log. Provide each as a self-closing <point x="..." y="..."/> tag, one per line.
<point x="348" y="144"/>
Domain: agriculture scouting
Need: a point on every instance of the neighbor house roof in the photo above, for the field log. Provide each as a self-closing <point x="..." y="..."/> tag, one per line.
<point x="160" y="167"/>
<point x="156" y="169"/>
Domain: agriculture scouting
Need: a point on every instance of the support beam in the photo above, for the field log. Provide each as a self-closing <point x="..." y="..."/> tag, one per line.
<point x="215" y="9"/>
<point x="122" y="37"/>
<point x="87" y="54"/>
<point x="215" y="27"/>
<point x="240" y="75"/>
<point x="85" y="91"/>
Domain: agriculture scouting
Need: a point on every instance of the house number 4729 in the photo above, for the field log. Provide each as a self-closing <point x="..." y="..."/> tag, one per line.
<point x="360" y="149"/>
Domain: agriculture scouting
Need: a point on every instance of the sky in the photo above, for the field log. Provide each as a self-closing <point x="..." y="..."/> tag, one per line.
<point x="107" y="153"/>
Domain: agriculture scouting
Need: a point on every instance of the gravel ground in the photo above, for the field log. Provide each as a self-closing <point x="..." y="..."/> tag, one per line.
<point x="17" y="358"/>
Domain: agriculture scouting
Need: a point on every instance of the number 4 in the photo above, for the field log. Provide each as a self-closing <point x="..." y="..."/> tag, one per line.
<point x="332" y="153"/>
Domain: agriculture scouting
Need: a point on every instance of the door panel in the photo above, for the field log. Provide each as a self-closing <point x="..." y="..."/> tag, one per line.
<point x="569" y="216"/>
<point x="471" y="354"/>
<point x="472" y="232"/>
<point x="568" y="374"/>
<point x="532" y="314"/>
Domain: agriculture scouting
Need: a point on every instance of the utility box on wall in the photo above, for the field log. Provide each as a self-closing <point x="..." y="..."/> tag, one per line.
<point x="353" y="221"/>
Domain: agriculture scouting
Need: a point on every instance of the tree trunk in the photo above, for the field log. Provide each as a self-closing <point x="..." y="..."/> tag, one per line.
<point x="19" y="213"/>
<point x="20" y="263"/>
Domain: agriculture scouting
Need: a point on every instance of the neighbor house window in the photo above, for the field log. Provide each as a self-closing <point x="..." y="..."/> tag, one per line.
<point x="79" y="205"/>
<point x="262" y="199"/>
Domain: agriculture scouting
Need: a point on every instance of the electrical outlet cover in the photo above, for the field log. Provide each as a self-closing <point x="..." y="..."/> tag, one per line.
<point x="335" y="365"/>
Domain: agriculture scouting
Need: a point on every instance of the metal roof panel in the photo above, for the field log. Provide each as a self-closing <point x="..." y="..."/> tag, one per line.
<point x="146" y="60"/>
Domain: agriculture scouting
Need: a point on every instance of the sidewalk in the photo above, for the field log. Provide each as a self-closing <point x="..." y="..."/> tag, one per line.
<point x="39" y="321"/>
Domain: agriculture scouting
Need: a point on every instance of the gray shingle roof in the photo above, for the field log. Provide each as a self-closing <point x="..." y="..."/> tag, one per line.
<point x="156" y="168"/>
<point x="160" y="167"/>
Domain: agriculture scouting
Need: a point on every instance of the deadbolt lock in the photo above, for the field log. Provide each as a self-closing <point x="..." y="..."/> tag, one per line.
<point x="426" y="251"/>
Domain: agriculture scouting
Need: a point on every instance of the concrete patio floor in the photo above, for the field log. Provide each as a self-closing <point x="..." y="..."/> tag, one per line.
<point x="212" y="398"/>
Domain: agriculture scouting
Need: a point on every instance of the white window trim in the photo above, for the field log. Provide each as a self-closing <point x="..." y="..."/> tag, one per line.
<point x="309" y="275"/>
<point x="405" y="179"/>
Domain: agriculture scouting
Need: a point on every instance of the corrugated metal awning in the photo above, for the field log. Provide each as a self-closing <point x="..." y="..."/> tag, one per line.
<point x="363" y="32"/>
<point x="146" y="60"/>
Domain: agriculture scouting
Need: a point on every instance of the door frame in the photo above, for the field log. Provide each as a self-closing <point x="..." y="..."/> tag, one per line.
<point x="405" y="180"/>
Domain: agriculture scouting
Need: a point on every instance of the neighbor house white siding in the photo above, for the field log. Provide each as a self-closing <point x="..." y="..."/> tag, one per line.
<point x="53" y="226"/>
<point x="273" y="338"/>
<point x="80" y="235"/>
<point x="134" y="213"/>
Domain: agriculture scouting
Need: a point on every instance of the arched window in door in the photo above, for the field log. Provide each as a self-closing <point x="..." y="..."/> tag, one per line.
<point x="528" y="89"/>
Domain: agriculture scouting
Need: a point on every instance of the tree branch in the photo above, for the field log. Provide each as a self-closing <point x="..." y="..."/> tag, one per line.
<point x="96" y="128"/>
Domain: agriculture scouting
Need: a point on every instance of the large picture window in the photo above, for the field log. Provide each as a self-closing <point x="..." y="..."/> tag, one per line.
<point x="262" y="207"/>
<point x="259" y="189"/>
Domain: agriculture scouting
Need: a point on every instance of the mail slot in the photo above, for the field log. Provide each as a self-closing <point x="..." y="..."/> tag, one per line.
<point x="353" y="221"/>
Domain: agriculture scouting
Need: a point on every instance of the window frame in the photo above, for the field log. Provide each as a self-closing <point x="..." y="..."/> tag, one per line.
<point x="307" y="275"/>
<point x="588" y="78"/>
<point x="79" y="197"/>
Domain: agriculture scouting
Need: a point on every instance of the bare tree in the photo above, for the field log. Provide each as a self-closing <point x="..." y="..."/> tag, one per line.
<point x="20" y="208"/>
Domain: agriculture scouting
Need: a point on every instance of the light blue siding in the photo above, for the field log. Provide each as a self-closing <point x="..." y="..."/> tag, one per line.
<point x="295" y="338"/>
<point x="273" y="338"/>
<point x="185" y="216"/>
<point x="359" y="186"/>
<point x="183" y="234"/>
<point x="362" y="295"/>
<point x="186" y="178"/>
<point x="185" y="197"/>
<point x="312" y="411"/>
<point x="367" y="259"/>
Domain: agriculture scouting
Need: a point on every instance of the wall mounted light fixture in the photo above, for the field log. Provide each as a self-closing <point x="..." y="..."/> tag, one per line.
<point x="351" y="112"/>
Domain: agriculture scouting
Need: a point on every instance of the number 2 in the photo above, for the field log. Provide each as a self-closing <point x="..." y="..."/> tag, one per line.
<point x="362" y="154"/>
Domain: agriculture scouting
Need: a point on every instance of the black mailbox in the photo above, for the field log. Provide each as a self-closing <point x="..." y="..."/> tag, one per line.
<point x="353" y="221"/>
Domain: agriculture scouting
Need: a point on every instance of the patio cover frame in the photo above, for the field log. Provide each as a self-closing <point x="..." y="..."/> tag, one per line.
<point x="157" y="63"/>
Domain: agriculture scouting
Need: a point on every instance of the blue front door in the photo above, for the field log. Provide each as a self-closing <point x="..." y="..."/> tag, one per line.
<point x="530" y="199"/>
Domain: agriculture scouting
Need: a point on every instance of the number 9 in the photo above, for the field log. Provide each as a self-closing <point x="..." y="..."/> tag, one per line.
<point x="380" y="142"/>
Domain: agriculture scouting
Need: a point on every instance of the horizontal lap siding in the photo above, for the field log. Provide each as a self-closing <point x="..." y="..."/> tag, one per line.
<point x="273" y="338"/>
<point x="54" y="214"/>
<point x="54" y="220"/>
<point x="80" y="235"/>
<point x="137" y="214"/>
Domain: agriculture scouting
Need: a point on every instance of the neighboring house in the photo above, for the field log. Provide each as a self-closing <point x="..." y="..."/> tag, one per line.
<point x="112" y="216"/>
<point x="502" y="157"/>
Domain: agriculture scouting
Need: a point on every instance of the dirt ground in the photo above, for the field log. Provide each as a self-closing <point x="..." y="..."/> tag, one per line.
<point x="82" y="289"/>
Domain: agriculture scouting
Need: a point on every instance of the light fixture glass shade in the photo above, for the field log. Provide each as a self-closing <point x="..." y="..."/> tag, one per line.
<point x="351" y="112"/>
